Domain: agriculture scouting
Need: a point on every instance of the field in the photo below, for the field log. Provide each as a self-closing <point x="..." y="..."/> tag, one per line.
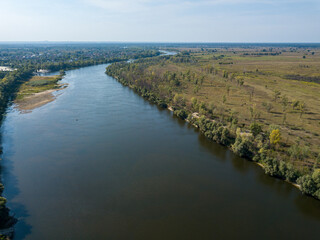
<point x="38" y="84"/>
<point x="278" y="87"/>
<point x="262" y="76"/>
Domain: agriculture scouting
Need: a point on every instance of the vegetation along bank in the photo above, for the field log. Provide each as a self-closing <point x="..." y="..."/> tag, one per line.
<point x="245" y="99"/>
<point x="30" y="91"/>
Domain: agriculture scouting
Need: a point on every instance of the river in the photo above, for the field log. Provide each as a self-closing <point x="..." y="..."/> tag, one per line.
<point x="100" y="162"/>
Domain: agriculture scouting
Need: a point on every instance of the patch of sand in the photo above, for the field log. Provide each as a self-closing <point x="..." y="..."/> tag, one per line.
<point x="36" y="100"/>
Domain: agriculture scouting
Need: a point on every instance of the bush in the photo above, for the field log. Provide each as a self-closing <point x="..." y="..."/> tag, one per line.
<point x="226" y="138"/>
<point x="308" y="186"/>
<point x="317" y="194"/>
<point x="181" y="114"/>
<point x="291" y="173"/>
<point x="243" y="147"/>
<point x="162" y="104"/>
<point x="316" y="178"/>
<point x="255" y="129"/>
<point x="272" y="167"/>
<point x="275" y="136"/>
<point x="298" y="152"/>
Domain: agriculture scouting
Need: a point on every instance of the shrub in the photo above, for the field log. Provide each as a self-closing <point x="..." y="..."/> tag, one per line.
<point x="243" y="147"/>
<point x="226" y="138"/>
<point x="317" y="194"/>
<point x="181" y="113"/>
<point x="255" y="129"/>
<point x="291" y="173"/>
<point x="179" y="100"/>
<point x="272" y="127"/>
<point x="298" y="152"/>
<point x="308" y="186"/>
<point x="272" y="167"/>
<point x="217" y="133"/>
<point x="162" y="104"/>
<point x="316" y="178"/>
<point x="275" y="137"/>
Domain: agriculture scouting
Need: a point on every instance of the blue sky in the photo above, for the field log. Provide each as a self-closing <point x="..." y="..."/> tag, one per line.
<point x="160" y="20"/>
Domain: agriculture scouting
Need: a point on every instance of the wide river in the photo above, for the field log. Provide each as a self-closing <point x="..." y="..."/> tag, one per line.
<point x="100" y="162"/>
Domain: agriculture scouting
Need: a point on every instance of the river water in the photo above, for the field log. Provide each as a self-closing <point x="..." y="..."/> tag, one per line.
<point x="100" y="162"/>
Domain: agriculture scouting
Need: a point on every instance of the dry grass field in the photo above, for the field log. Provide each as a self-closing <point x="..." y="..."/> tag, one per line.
<point x="278" y="86"/>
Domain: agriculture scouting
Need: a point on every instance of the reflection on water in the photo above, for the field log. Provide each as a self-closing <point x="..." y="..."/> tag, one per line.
<point x="102" y="163"/>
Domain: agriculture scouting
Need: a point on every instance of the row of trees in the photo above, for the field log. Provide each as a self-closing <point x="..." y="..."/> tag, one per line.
<point x="252" y="142"/>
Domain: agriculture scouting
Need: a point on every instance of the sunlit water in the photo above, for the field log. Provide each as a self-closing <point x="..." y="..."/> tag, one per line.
<point x="102" y="163"/>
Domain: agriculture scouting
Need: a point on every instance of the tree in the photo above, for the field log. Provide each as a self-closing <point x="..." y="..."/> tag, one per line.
<point x="277" y="94"/>
<point x="284" y="103"/>
<point x="267" y="106"/>
<point x="243" y="147"/>
<point x="179" y="100"/>
<point x="253" y="112"/>
<point x="295" y="104"/>
<point x="308" y="186"/>
<point x="240" y="81"/>
<point x="255" y="129"/>
<point x="317" y="162"/>
<point x="284" y="119"/>
<point x="194" y="103"/>
<point x="275" y="137"/>
<point x="302" y="108"/>
<point x="228" y="89"/>
<point x="224" y="99"/>
<point x="298" y="152"/>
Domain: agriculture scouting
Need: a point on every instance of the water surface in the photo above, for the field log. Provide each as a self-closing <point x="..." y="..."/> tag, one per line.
<point x="102" y="163"/>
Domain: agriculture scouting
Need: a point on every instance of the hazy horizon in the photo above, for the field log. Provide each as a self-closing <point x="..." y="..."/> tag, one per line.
<point x="161" y="21"/>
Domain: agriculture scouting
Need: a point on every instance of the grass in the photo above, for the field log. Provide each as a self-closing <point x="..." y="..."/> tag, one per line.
<point x="262" y="76"/>
<point x="38" y="84"/>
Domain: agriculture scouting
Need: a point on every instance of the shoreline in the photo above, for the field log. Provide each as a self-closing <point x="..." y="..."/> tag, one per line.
<point x="196" y="116"/>
<point x="47" y="99"/>
<point x="37" y="100"/>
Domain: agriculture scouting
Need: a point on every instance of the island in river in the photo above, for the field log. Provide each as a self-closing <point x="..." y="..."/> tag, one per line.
<point x="100" y="162"/>
<point x="38" y="91"/>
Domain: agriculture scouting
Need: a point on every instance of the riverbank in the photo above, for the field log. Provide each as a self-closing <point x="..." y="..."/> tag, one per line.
<point x="37" y="92"/>
<point x="34" y="93"/>
<point x="253" y="142"/>
<point x="141" y="155"/>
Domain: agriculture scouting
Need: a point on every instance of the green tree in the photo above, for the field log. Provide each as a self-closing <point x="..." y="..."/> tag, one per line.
<point x="284" y="103"/>
<point x="302" y="108"/>
<point x="255" y="129"/>
<point x="267" y="106"/>
<point x="179" y="100"/>
<point x="276" y="95"/>
<point x="224" y="99"/>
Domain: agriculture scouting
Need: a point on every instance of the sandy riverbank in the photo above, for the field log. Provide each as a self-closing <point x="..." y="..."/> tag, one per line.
<point x="36" y="100"/>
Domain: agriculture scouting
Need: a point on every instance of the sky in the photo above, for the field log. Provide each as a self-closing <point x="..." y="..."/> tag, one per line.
<point x="160" y="20"/>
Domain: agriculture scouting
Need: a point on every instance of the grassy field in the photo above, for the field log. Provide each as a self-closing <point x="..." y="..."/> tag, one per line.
<point x="38" y="84"/>
<point x="255" y="99"/>
<point x="268" y="86"/>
